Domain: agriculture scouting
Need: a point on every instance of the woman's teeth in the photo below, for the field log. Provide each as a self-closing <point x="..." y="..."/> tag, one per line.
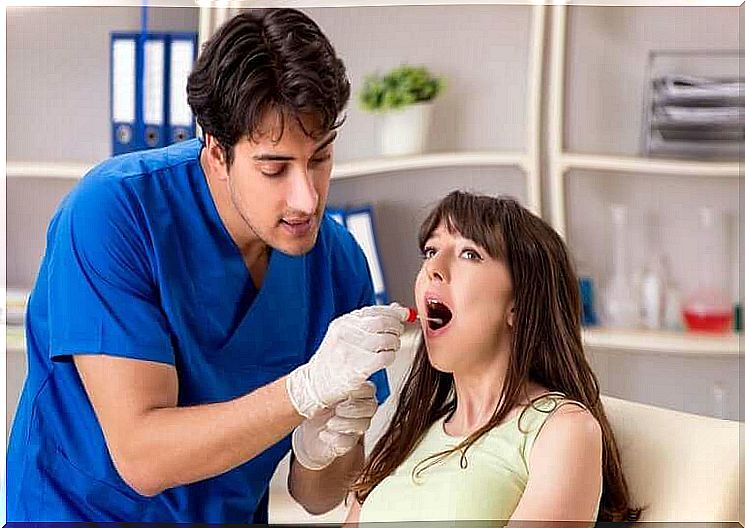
<point x="438" y="314"/>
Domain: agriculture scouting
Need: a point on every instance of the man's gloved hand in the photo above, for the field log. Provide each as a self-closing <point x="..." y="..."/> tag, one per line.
<point x="356" y="345"/>
<point x="318" y="441"/>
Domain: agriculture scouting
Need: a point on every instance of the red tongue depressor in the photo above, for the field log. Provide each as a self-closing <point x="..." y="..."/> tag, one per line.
<point x="413" y="316"/>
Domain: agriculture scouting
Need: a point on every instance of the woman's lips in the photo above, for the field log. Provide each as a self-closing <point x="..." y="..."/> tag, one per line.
<point x="436" y="333"/>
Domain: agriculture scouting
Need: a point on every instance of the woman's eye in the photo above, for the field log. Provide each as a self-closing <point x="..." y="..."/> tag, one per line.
<point x="428" y="253"/>
<point x="471" y="254"/>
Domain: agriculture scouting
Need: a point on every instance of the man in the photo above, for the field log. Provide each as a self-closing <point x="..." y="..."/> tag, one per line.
<point x="179" y="327"/>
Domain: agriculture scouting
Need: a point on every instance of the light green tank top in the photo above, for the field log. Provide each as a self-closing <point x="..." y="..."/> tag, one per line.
<point x="489" y="487"/>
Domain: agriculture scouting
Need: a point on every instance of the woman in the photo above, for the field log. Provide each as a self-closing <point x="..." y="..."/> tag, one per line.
<point x="502" y="363"/>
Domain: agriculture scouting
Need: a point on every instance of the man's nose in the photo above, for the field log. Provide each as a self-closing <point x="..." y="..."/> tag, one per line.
<point x="303" y="196"/>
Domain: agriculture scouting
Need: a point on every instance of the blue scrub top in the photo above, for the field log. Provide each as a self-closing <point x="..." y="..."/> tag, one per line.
<point x="139" y="265"/>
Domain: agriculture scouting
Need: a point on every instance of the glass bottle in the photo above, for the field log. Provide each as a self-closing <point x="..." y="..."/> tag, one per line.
<point x="621" y="305"/>
<point x="707" y="307"/>
<point x="652" y="295"/>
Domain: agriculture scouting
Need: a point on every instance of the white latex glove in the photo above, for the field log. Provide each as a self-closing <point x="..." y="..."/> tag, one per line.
<point x="356" y="345"/>
<point x="318" y="441"/>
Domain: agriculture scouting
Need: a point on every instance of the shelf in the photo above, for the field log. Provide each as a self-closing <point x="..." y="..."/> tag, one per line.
<point x="28" y="169"/>
<point x="673" y="167"/>
<point x="15" y="338"/>
<point x="678" y="343"/>
<point x="352" y="169"/>
<point x="349" y="169"/>
<point x="241" y="4"/>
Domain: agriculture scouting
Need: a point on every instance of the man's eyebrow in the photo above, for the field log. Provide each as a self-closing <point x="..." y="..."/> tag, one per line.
<point x="282" y="157"/>
<point x="326" y="143"/>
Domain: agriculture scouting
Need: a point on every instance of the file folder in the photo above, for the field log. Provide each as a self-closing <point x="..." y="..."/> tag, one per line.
<point x="149" y="107"/>
<point x="123" y="92"/>
<point x="360" y="224"/>
<point x="181" y="57"/>
<point x="153" y="92"/>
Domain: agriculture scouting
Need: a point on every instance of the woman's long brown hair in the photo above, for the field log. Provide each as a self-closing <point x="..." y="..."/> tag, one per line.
<point x="546" y="345"/>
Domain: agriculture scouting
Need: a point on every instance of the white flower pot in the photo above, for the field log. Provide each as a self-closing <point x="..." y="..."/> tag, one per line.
<point x="405" y="131"/>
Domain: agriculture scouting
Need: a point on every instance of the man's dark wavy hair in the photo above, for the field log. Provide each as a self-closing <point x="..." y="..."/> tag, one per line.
<point x="266" y="59"/>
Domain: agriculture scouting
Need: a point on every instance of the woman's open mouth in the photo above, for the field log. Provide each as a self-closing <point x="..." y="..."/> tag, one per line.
<point x="438" y="311"/>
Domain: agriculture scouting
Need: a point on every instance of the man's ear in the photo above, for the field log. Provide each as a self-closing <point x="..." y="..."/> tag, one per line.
<point x="215" y="156"/>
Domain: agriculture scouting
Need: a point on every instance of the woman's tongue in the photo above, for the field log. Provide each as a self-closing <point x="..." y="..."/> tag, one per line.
<point x="440" y="313"/>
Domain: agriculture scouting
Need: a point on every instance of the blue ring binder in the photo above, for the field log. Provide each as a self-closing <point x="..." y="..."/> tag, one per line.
<point x="148" y="89"/>
<point x="366" y="236"/>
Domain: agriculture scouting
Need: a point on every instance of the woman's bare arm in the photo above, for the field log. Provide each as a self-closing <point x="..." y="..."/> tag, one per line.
<point x="566" y="470"/>
<point x="353" y="516"/>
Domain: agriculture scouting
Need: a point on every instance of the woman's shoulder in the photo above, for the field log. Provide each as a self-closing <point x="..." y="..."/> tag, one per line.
<point x="560" y="426"/>
<point x="573" y="418"/>
<point x="554" y="414"/>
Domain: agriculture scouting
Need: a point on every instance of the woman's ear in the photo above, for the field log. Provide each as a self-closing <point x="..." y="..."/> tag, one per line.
<point x="511" y="315"/>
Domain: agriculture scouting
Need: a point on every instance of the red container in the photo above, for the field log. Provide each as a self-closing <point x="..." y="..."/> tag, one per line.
<point x="719" y="321"/>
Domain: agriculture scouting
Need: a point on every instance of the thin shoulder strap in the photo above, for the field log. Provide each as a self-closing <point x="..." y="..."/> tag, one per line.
<point x="538" y="411"/>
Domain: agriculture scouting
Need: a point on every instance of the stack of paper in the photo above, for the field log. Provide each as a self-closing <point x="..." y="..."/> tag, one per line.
<point x="697" y="116"/>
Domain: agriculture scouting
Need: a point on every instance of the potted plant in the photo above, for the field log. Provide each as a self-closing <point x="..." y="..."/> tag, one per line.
<point x="404" y="98"/>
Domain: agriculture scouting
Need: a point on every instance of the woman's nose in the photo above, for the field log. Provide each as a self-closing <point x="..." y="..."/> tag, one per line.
<point x="435" y="271"/>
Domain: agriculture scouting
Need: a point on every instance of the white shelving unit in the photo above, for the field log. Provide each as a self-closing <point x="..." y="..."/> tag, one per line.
<point x="528" y="161"/>
<point x="558" y="161"/>
<point x="561" y="162"/>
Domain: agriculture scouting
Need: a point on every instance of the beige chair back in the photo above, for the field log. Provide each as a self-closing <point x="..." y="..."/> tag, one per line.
<point x="682" y="467"/>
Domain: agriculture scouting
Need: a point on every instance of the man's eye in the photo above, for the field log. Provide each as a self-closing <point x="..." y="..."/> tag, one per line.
<point x="321" y="159"/>
<point x="272" y="170"/>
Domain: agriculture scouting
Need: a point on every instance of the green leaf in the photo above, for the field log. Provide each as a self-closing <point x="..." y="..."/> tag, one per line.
<point x="400" y="87"/>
